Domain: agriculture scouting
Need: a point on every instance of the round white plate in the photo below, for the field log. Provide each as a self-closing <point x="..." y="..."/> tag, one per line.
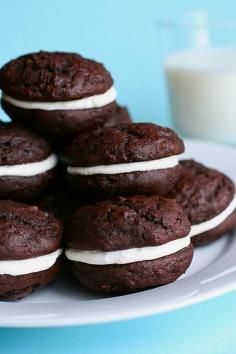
<point x="212" y="273"/>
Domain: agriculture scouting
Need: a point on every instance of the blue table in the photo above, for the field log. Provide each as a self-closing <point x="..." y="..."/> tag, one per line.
<point x="206" y="328"/>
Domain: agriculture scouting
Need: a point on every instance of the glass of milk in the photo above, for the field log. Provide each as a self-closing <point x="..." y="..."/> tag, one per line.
<point x="201" y="78"/>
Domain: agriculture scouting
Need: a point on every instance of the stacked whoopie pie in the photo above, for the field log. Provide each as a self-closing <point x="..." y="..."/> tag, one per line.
<point x="129" y="206"/>
<point x="59" y="94"/>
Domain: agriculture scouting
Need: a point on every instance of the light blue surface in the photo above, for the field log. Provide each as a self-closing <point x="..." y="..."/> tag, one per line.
<point x="123" y="35"/>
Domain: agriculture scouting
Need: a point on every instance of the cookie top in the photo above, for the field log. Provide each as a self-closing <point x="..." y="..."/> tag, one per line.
<point x="124" y="223"/>
<point x="26" y="231"/>
<point x="122" y="144"/>
<point x="53" y="76"/>
<point x="202" y="192"/>
<point x="18" y="145"/>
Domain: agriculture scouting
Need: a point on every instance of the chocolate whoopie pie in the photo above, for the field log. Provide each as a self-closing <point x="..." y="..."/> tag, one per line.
<point x="139" y="158"/>
<point x="208" y="198"/>
<point x="27" y="163"/>
<point x="58" y="94"/>
<point x="129" y="243"/>
<point x="30" y="249"/>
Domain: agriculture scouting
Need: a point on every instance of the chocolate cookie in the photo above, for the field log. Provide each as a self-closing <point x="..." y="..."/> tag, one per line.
<point x="30" y="249"/>
<point x="208" y="198"/>
<point x="59" y="201"/>
<point x="58" y="94"/>
<point x="139" y="158"/>
<point x="27" y="164"/>
<point x="120" y="116"/>
<point x="129" y="244"/>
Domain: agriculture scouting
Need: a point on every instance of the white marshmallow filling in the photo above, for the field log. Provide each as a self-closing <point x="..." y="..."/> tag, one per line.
<point x="29" y="169"/>
<point x="205" y="226"/>
<point x="29" y="265"/>
<point x="95" y="101"/>
<point x="130" y="255"/>
<point x="160" y="164"/>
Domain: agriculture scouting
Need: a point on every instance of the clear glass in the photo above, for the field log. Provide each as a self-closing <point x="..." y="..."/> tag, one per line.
<point x="200" y="71"/>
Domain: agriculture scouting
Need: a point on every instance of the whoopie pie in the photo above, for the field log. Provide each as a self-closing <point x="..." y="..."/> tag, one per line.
<point x="30" y="249"/>
<point x="57" y="93"/>
<point x="129" y="243"/>
<point x="208" y="198"/>
<point x="27" y="163"/>
<point x="138" y="158"/>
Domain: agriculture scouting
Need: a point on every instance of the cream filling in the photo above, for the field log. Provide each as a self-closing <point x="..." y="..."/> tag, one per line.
<point x="29" y="169"/>
<point x="129" y="255"/>
<point x="82" y="103"/>
<point x="214" y="222"/>
<point x="29" y="265"/>
<point x="166" y="162"/>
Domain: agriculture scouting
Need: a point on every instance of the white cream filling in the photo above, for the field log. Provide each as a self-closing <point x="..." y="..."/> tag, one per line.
<point x="166" y="162"/>
<point x="214" y="222"/>
<point x="29" y="169"/>
<point x="82" y="103"/>
<point x="29" y="265"/>
<point x="129" y="255"/>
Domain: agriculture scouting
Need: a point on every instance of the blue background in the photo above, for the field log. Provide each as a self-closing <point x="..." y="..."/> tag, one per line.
<point x="123" y="35"/>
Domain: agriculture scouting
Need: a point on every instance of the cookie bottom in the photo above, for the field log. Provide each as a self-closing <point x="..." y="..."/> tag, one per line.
<point x="132" y="277"/>
<point x="61" y="124"/>
<point x="96" y="187"/>
<point x="25" y="188"/>
<point x="214" y="234"/>
<point x="17" y="287"/>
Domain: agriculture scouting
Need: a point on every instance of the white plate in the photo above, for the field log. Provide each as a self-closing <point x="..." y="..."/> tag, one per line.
<point x="212" y="273"/>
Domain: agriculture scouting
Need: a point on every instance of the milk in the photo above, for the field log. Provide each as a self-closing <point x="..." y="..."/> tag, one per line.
<point x="202" y="91"/>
